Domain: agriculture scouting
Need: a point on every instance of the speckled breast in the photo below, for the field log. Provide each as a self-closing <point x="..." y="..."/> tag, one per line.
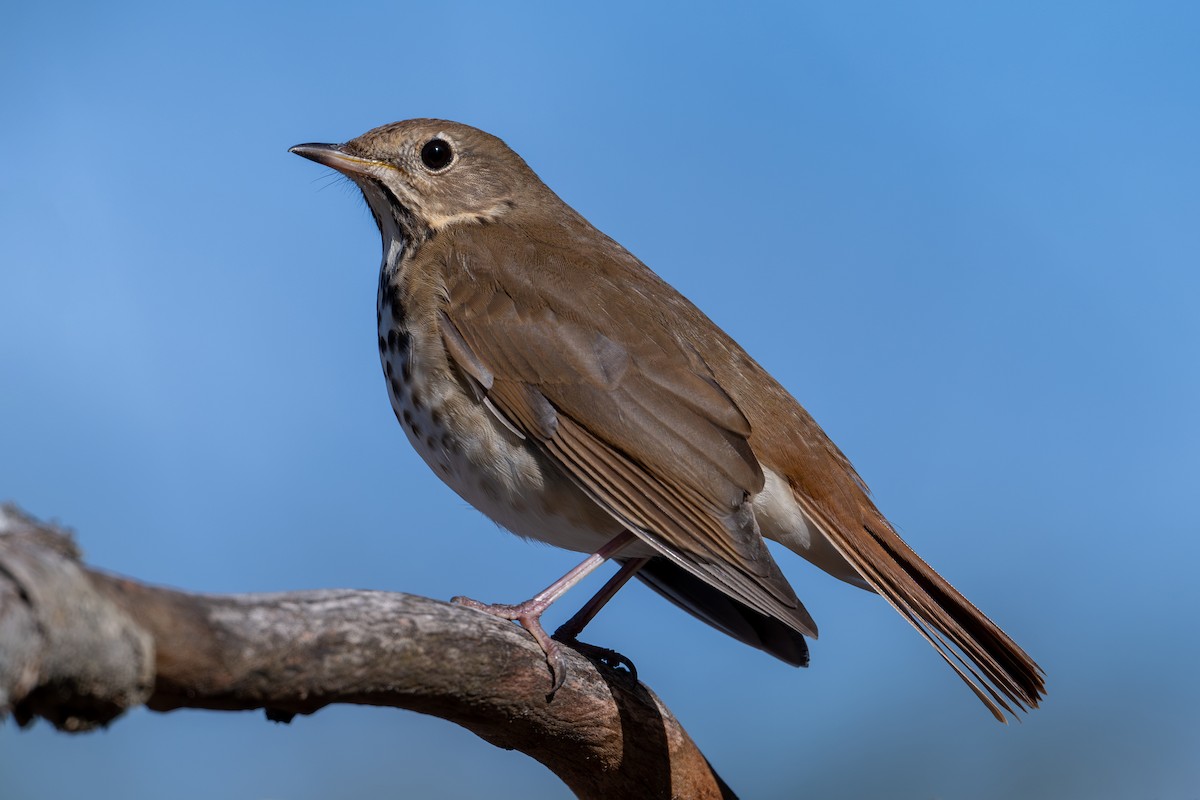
<point x="474" y="453"/>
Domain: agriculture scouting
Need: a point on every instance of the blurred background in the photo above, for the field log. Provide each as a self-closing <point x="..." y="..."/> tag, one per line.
<point x="965" y="237"/>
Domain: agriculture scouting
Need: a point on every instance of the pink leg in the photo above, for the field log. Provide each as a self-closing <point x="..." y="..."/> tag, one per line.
<point x="575" y="625"/>
<point x="530" y="612"/>
<point x="570" y="630"/>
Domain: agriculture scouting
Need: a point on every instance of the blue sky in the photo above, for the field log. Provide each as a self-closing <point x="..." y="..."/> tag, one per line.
<point x="965" y="237"/>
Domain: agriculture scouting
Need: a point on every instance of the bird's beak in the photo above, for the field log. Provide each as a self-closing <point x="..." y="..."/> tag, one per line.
<point x="335" y="156"/>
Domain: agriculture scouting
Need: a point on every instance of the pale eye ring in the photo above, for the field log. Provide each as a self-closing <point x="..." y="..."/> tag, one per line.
<point x="436" y="154"/>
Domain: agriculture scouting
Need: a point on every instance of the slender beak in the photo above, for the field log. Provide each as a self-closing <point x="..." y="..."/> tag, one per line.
<point x="333" y="155"/>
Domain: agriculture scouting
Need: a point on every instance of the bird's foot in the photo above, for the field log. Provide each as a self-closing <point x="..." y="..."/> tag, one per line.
<point x="529" y="615"/>
<point x="605" y="655"/>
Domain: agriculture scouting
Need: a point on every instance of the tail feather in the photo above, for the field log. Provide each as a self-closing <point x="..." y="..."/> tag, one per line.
<point x="1000" y="673"/>
<point x="730" y="616"/>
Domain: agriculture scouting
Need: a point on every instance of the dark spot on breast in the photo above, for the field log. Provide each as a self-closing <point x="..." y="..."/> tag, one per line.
<point x="406" y="370"/>
<point x="417" y="402"/>
<point x="387" y="368"/>
<point x="430" y="442"/>
<point x="382" y="344"/>
<point x="416" y="430"/>
<point x="447" y="442"/>
<point x="398" y="388"/>
<point x="390" y="295"/>
<point x="406" y="417"/>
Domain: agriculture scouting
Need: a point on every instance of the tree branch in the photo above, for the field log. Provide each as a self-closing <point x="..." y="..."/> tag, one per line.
<point x="79" y="646"/>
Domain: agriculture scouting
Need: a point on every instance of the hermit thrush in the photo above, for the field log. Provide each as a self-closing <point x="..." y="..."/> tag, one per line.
<point x="569" y="393"/>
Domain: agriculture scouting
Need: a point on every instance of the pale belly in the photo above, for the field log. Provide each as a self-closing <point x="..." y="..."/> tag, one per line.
<point x="517" y="486"/>
<point x="485" y="463"/>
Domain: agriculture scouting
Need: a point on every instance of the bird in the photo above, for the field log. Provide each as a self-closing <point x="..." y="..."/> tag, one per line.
<point x="565" y="390"/>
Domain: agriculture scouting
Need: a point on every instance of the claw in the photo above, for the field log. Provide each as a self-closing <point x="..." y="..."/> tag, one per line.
<point x="529" y="615"/>
<point x="605" y="655"/>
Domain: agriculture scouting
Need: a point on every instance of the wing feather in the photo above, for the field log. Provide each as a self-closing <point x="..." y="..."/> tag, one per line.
<point x="634" y="420"/>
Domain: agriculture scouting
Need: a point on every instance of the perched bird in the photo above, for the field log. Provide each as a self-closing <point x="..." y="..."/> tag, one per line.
<point x="569" y="393"/>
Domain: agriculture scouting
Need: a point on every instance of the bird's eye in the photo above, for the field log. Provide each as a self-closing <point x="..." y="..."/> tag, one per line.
<point x="436" y="154"/>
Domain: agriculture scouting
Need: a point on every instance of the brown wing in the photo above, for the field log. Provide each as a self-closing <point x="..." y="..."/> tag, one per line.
<point x="836" y="500"/>
<point x="630" y="414"/>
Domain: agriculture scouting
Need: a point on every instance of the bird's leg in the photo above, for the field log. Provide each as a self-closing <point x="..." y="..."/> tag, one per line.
<point x="530" y="612"/>
<point x="568" y="632"/>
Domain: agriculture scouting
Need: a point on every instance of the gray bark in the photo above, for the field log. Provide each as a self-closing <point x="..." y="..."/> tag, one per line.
<point x="79" y="646"/>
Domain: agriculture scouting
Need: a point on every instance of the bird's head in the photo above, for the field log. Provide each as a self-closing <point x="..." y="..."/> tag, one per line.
<point x="422" y="176"/>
